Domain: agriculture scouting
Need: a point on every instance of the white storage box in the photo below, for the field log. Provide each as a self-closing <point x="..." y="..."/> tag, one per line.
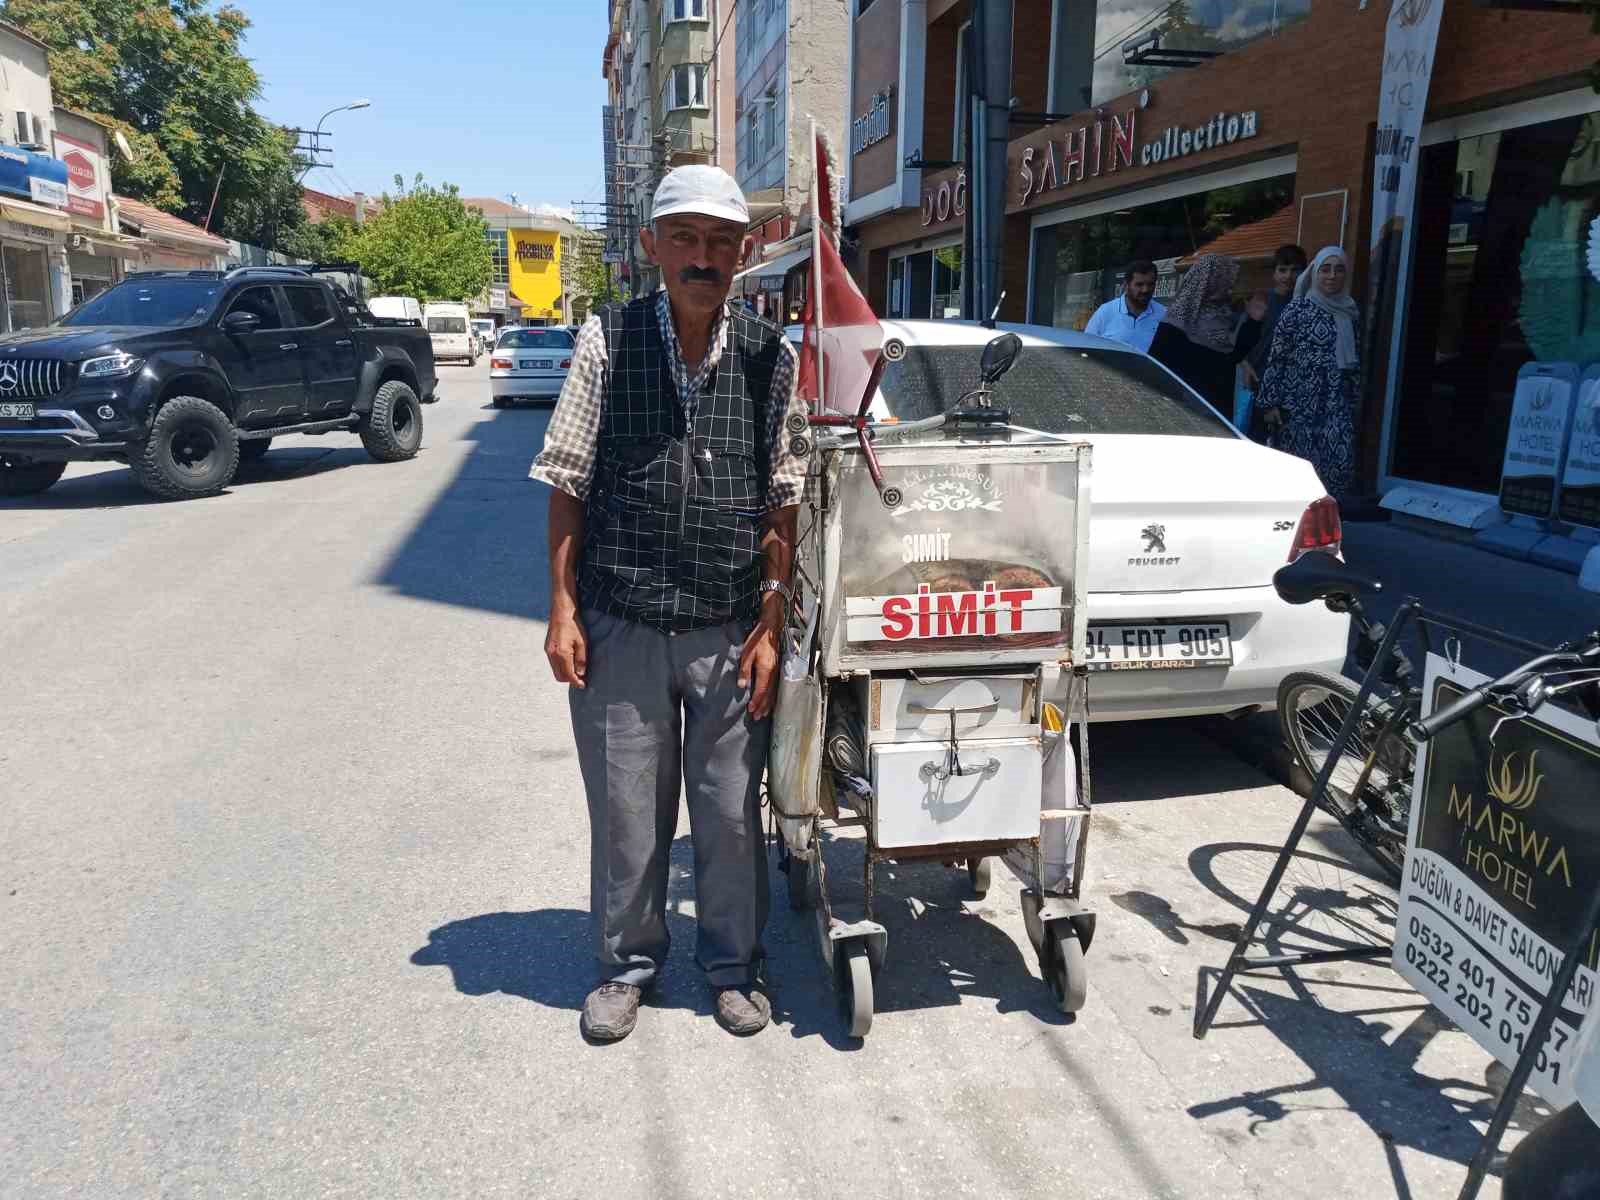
<point x="914" y="807"/>
<point x="901" y="708"/>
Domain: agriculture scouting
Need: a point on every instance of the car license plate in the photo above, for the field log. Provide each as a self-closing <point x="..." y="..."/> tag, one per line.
<point x="535" y="364"/>
<point x="1160" y="647"/>
<point x="10" y="408"/>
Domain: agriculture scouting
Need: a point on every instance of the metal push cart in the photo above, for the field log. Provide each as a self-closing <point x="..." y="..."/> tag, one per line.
<point x="940" y="574"/>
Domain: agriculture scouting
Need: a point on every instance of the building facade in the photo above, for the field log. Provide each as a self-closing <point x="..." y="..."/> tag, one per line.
<point x="95" y="244"/>
<point x="163" y="242"/>
<point x="35" y="227"/>
<point x="534" y="256"/>
<point x="668" y="66"/>
<point x="1267" y="133"/>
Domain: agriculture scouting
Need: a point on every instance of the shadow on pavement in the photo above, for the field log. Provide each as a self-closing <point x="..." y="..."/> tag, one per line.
<point x="481" y="544"/>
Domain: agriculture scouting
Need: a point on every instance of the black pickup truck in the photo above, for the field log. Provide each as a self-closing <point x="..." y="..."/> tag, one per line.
<point x="181" y="374"/>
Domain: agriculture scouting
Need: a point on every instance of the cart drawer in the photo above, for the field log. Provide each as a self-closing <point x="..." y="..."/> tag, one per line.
<point x="913" y="807"/>
<point x="903" y="709"/>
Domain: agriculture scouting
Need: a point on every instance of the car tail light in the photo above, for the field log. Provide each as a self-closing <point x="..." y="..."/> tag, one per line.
<point x="1319" y="529"/>
<point x="565" y="363"/>
<point x="500" y="364"/>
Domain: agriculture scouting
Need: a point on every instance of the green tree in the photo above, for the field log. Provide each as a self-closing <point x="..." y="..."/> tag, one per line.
<point x="173" y="77"/>
<point x="327" y="241"/>
<point x="423" y="242"/>
<point x="592" y="276"/>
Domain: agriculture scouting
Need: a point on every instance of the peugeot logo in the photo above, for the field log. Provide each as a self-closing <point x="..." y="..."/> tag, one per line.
<point x="1155" y="538"/>
<point x="8" y="377"/>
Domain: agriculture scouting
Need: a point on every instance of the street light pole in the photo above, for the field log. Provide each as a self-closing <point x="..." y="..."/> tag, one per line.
<point x="316" y="135"/>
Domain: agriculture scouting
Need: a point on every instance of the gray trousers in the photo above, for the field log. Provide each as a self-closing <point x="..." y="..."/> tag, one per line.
<point x="658" y="709"/>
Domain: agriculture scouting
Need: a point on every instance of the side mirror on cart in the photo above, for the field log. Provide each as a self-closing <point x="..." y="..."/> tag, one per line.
<point x="998" y="357"/>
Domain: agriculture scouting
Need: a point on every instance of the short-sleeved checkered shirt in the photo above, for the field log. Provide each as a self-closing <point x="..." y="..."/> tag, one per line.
<point x="570" y="442"/>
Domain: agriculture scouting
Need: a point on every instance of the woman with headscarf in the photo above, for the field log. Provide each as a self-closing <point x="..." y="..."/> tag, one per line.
<point x="1307" y="399"/>
<point x="1200" y="338"/>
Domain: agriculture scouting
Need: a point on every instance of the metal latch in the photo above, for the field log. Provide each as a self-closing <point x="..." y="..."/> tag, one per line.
<point x="952" y="755"/>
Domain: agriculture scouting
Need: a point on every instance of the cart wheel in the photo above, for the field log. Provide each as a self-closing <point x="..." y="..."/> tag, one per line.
<point x="798" y="873"/>
<point x="800" y="446"/>
<point x="892" y="497"/>
<point x="978" y="870"/>
<point x="855" y="989"/>
<point x="795" y="423"/>
<point x="1067" y="975"/>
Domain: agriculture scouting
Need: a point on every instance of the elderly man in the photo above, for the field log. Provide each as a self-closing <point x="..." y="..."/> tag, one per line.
<point x="671" y="539"/>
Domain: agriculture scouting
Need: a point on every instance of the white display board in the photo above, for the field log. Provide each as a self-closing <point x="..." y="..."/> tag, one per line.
<point x="1503" y="856"/>
<point x="1580" y="481"/>
<point x="1541" y="413"/>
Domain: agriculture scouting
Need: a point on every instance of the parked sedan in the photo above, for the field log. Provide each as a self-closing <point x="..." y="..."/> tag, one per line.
<point x="529" y="364"/>
<point x="1188" y="521"/>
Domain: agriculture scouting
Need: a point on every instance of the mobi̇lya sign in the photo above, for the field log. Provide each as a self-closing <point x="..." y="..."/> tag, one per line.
<point x="1502" y="860"/>
<point x="872" y="126"/>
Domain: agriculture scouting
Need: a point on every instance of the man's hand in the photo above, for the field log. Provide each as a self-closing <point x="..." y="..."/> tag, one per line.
<point x="1273" y="419"/>
<point x="567" y="648"/>
<point x="758" y="658"/>
<point x="1251" y="379"/>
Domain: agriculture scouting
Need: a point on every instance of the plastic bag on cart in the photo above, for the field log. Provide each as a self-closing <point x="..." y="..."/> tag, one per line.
<point x="1060" y="820"/>
<point x="794" y="763"/>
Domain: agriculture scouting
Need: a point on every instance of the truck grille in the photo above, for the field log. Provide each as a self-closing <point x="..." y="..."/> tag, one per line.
<point x="30" y="378"/>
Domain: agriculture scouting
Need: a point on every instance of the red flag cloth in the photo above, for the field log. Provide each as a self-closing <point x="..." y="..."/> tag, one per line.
<point x="841" y="332"/>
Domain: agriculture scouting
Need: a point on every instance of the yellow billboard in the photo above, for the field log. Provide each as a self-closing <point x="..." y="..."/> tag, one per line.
<point x="535" y="271"/>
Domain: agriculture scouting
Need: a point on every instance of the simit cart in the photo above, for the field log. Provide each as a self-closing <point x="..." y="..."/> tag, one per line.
<point x="940" y="572"/>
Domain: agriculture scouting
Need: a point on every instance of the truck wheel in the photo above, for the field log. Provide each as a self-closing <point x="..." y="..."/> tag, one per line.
<point x="392" y="431"/>
<point x="254" y="450"/>
<point x="192" y="451"/>
<point x="24" y="477"/>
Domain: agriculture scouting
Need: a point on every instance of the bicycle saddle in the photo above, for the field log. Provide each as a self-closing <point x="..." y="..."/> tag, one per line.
<point x="1317" y="576"/>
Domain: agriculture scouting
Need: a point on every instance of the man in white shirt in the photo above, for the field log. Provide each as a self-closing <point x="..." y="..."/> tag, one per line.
<point x="1132" y="317"/>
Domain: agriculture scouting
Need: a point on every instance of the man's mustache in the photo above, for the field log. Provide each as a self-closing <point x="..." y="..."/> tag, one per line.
<point x="699" y="275"/>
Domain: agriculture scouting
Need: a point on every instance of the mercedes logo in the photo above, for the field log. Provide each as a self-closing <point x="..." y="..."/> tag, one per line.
<point x="8" y="377"/>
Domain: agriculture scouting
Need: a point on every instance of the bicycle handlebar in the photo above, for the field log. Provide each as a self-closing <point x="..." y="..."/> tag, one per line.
<point x="1582" y="653"/>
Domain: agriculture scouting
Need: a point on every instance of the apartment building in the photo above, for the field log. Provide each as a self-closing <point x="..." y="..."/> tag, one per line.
<point x="534" y="254"/>
<point x="670" y="91"/>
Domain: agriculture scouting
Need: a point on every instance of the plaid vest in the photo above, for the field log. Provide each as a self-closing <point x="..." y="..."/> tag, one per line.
<point x="673" y="520"/>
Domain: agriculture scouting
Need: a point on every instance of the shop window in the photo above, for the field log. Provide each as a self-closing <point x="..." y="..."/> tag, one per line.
<point x="926" y="284"/>
<point x="1498" y="279"/>
<point x="1219" y="25"/>
<point x="1078" y="265"/>
<point x="499" y="255"/>
<point x="946" y="283"/>
<point x="27" y="288"/>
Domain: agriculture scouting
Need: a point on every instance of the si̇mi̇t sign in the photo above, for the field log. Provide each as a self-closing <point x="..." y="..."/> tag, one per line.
<point x="1503" y="857"/>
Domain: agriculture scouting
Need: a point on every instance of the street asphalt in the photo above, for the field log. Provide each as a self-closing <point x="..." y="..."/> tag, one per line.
<point x="295" y="890"/>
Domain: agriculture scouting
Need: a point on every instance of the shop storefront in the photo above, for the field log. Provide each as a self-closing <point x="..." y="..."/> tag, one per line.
<point x="1499" y="278"/>
<point x="31" y="262"/>
<point x="1238" y="155"/>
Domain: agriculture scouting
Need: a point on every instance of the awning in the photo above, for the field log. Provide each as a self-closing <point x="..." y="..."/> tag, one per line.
<point x="778" y="267"/>
<point x="34" y="214"/>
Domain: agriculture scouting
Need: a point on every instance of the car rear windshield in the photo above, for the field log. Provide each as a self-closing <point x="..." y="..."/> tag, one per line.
<point x="535" y="339"/>
<point x="447" y="324"/>
<point x="165" y="303"/>
<point x="1055" y="389"/>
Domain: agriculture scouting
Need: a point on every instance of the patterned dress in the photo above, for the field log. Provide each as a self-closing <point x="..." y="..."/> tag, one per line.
<point x="1317" y="398"/>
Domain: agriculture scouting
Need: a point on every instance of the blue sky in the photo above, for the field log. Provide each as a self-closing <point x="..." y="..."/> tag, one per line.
<point x="494" y="97"/>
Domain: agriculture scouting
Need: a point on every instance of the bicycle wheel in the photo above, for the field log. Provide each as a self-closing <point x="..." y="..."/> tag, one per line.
<point x="1311" y="708"/>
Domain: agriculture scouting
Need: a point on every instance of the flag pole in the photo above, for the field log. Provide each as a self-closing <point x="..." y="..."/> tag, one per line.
<point x="818" y="166"/>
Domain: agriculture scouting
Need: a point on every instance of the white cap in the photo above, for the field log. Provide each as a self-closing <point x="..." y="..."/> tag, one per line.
<point x="706" y="190"/>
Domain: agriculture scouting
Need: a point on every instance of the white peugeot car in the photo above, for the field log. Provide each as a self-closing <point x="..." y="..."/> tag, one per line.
<point x="1188" y="519"/>
<point x="529" y="364"/>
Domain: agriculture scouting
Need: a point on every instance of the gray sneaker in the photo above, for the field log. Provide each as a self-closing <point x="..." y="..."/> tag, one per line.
<point x="610" y="1012"/>
<point x="743" y="1011"/>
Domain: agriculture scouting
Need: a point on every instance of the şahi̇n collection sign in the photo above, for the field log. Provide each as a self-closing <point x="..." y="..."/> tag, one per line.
<point x="1503" y="857"/>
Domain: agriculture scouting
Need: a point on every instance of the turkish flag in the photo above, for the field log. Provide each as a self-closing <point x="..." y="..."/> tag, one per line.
<point x="842" y="337"/>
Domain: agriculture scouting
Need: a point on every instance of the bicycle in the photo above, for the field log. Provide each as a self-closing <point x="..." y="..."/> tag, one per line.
<point x="1369" y="790"/>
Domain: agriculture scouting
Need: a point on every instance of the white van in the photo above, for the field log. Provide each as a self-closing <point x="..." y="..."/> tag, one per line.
<point x="484" y="328"/>
<point x="449" y="325"/>
<point x="401" y="308"/>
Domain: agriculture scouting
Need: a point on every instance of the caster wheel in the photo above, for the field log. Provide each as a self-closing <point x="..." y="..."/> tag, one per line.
<point x="798" y="872"/>
<point x="855" y="989"/>
<point x="795" y="423"/>
<point x="978" y="871"/>
<point x="800" y="446"/>
<point x="1065" y="973"/>
<point x="892" y="497"/>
